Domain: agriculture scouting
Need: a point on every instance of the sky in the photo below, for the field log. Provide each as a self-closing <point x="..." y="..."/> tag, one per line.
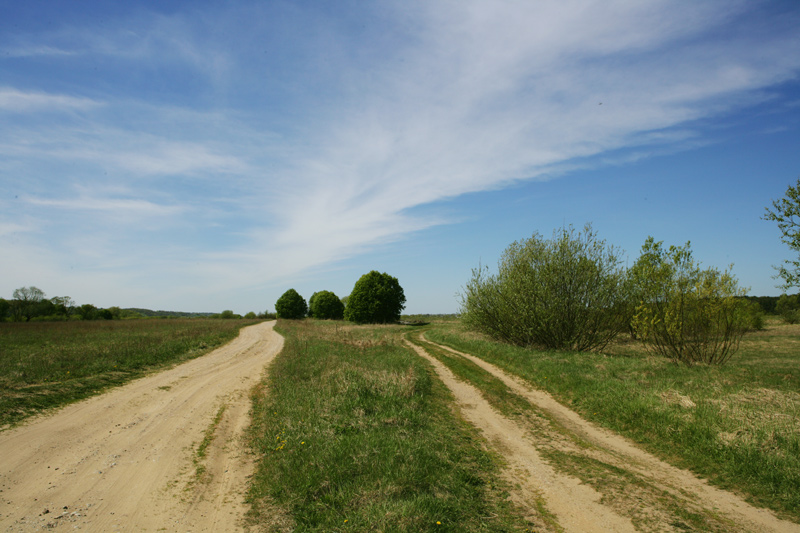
<point x="202" y="156"/>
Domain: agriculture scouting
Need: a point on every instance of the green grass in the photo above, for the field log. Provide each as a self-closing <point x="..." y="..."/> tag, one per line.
<point x="737" y="424"/>
<point x="49" y="364"/>
<point x="357" y="435"/>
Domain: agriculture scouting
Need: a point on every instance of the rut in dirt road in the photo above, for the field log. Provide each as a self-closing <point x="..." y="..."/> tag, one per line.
<point x="127" y="460"/>
<point x="588" y="478"/>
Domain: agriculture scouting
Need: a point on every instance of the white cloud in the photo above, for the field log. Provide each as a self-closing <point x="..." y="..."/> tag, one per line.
<point x="14" y="100"/>
<point x="118" y="206"/>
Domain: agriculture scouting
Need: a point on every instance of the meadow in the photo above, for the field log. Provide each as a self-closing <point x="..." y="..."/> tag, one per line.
<point x="45" y="365"/>
<point x="737" y="425"/>
<point x="353" y="431"/>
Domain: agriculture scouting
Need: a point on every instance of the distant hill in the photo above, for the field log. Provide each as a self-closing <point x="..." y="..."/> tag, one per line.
<point x="151" y="313"/>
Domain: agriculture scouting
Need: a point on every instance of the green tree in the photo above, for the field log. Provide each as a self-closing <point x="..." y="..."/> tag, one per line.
<point x="311" y="304"/>
<point x="789" y="308"/>
<point x="564" y="293"/>
<point x="325" y="305"/>
<point x="786" y="212"/>
<point x="5" y="305"/>
<point x="686" y="313"/>
<point x="64" y="305"/>
<point x="377" y="298"/>
<point x="87" y="312"/>
<point x="291" y="305"/>
<point x="26" y="300"/>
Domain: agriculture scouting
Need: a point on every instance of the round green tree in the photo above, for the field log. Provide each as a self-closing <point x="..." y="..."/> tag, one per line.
<point x="325" y="305"/>
<point x="376" y="298"/>
<point x="291" y="305"/>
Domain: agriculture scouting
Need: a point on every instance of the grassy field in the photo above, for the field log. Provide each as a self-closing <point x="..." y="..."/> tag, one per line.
<point x="48" y="364"/>
<point x="356" y="435"/>
<point x="737" y="425"/>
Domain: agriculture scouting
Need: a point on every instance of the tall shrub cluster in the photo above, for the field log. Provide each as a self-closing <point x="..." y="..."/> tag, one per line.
<point x="562" y="294"/>
<point x="570" y="292"/>
<point x="686" y="313"/>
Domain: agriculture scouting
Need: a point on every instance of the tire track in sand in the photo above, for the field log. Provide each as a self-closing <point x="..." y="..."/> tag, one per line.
<point x="577" y="506"/>
<point x="123" y="461"/>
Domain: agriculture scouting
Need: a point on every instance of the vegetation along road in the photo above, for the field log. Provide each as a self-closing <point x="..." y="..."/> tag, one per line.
<point x="355" y="428"/>
<point x="164" y="452"/>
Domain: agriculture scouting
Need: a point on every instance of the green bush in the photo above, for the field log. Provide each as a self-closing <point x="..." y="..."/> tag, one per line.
<point x="376" y="299"/>
<point x="684" y="312"/>
<point x="754" y="315"/>
<point x="565" y="293"/>
<point x="788" y="307"/>
<point x="325" y="305"/>
<point x="291" y="305"/>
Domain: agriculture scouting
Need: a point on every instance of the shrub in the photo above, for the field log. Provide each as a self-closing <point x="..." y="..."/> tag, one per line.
<point x="325" y="305"/>
<point x="291" y="305"/>
<point x="788" y="307"/>
<point x="754" y="315"/>
<point x="376" y="298"/>
<point x="685" y="313"/>
<point x="565" y="293"/>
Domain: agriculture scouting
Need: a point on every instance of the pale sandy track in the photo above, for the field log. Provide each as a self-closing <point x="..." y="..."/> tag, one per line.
<point x="123" y="461"/>
<point x="577" y="506"/>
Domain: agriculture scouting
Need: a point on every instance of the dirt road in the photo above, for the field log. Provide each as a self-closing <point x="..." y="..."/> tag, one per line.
<point x="134" y="459"/>
<point x="592" y="480"/>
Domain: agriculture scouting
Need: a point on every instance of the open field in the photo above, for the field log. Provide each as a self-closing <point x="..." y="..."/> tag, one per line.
<point x="49" y="364"/>
<point x="433" y="428"/>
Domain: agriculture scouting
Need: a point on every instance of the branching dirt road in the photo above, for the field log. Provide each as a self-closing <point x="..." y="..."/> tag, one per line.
<point x="594" y="480"/>
<point x="161" y="453"/>
<point x="165" y="453"/>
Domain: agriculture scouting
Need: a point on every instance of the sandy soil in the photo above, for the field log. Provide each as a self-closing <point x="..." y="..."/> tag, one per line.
<point x="574" y="505"/>
<point x="127" y="460"/>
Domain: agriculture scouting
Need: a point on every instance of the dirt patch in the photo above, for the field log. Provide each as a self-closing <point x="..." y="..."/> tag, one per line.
<point x="123" y="461"/>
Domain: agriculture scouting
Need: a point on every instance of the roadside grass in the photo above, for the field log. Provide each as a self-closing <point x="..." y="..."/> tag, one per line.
<point x="737" y="425"/>
<point x="45" y="365"/>
<point x="356" y="434"/>
<point x="648" y="506"/>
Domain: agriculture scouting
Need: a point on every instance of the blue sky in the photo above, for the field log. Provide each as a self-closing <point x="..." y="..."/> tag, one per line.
<point x="202" y="156"/>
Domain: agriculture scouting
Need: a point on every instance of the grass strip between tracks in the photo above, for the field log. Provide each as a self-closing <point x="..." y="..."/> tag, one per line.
<point x="357" y="434"/>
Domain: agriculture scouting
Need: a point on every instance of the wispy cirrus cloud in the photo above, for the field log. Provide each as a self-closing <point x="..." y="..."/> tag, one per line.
<point x="18" y="101"/>
<point x="317" y="135"/>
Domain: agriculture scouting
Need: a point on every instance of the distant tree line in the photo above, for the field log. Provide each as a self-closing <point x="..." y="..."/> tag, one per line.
<point x="30" y="304"/>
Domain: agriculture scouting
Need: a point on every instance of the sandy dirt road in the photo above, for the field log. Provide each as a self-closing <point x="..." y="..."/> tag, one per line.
<point x="127" y="460"/>
<point x="650" y="490"/>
